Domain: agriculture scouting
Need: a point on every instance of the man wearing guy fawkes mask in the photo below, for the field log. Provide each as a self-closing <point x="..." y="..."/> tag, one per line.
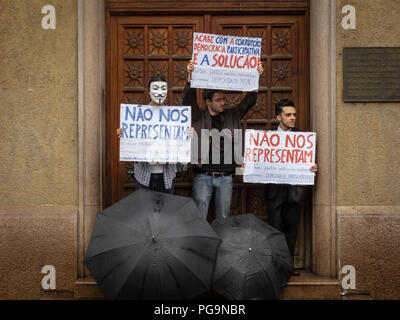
<point x="158" y="91"/>
<point x="148" y="175"/>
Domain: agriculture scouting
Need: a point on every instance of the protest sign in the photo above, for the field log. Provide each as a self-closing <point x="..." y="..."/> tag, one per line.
<point x="225" y="62"/>
<point x="279" y="157"/>
<point x="155" y="133"/>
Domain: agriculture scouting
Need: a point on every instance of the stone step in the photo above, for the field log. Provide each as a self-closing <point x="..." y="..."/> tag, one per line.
<point x="87" y="288"/>
<point x="309" y="286"/>
<point x="305" y="286"/>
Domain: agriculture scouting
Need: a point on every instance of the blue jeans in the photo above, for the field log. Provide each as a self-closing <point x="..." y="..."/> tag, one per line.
<point x="204" y="186"/>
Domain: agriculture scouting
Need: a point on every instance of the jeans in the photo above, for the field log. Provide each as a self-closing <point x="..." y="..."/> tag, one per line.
<point x="156" y="184"/>
<point x="204" y="186"/>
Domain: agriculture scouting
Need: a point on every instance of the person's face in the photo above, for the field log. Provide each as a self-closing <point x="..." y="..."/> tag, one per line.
<point x="158" y="91"/>
<point x="287" y="119"/>
<point x="217" y="103"/>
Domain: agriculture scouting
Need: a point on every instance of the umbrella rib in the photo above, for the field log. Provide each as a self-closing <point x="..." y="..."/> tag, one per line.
<point x="112" y="270"/>
<point x="119" y="264"/>
<point x="236" y="262"/>
<point x="185" y="237"/>
<point x="194" y="251"/>
<point x="187" y="267"/>
<point x="172" y="272"/>
<point x="125" y="246"/>
<point x="265" y="271"/>
<point x="129" y="274"/>
<point x="123" y="224"/>
<point x="174" y="217"/>
<point x="184" y="265"/>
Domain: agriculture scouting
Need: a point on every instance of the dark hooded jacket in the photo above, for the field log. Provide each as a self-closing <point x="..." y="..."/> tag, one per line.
<point x="230" y="119"/>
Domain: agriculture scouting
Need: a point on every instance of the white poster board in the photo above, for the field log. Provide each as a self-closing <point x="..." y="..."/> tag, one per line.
<point x="225" y="62"/>
<point x="279" y="157"/>
<point x="155" y="133"/>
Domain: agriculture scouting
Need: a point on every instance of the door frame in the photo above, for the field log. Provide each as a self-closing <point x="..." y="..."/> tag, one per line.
<point x="93" y="19"/>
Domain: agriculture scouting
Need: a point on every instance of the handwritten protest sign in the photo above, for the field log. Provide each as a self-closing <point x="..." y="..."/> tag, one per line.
<point x="279" y="157"/>
<point x="154" y="133"/>
<point x="225" y="62"/>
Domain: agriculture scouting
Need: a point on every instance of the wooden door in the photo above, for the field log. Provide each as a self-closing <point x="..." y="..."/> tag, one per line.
<point x="142" y="46"/>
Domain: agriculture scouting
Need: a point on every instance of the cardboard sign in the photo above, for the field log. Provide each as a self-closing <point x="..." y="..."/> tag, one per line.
<point x="155" y="133"/>
<point x="279" y="157"/>
<point x="225" y="62"/>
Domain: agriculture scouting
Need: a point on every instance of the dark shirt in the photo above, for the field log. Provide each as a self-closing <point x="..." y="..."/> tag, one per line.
<point x="228" y="119"/>
<point x="221" y="166"/>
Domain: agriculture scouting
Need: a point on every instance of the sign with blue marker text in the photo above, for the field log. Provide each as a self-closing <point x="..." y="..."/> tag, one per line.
<point x="155" y="133"/>
<point x="225" y="62"/>
<point x="279" y="157"/>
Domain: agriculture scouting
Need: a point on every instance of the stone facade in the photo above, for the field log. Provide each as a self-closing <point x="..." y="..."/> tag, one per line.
<point x="39" y="148"/>
<point x="51" y="170"/>
<point x="368" y="172"/>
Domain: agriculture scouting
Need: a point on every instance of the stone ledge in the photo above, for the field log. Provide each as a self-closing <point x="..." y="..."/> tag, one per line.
<point x="311" y="286"/>
<point x="87" y="288"/>
<point x="303" y="287"/>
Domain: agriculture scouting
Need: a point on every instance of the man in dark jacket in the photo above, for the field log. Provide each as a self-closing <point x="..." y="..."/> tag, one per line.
<point x="284" y="200"/>
<point x="215" y="176"/>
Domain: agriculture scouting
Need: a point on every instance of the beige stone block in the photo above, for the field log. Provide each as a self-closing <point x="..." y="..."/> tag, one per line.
<point x="39" y="104"/>
<point x="24" y="285"/>
<point x="369" y="239"/>
<point x="35" y="237"/>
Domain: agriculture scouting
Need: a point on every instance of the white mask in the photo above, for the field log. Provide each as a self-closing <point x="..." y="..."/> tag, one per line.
<point x="158" y="91"/>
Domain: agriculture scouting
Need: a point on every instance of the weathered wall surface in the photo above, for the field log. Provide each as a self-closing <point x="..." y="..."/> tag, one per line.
<point x="38" y="163"/>
<point x="368" y="170"/>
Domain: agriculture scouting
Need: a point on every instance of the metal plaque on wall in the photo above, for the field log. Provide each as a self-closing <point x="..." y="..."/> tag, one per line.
<point x="371" y="74"/>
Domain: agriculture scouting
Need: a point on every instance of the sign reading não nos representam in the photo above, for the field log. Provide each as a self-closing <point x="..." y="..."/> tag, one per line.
<point x="155" y="133"/>
<point x="279" y="157"/>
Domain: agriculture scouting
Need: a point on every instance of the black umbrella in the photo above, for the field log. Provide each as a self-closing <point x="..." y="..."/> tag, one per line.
<point x="152" y="245"/>
<point x="253" y="260"/>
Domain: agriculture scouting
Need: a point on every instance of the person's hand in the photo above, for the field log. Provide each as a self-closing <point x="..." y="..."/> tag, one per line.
<point x="314" y="168"/>
<point x="260" y="68"/>
<point x="191" y="132"/>
<point x="119" y="132"/>
<point x="190" y="69"/>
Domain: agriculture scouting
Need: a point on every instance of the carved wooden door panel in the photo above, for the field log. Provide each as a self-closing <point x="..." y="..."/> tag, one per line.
<point x="142" y="46"/>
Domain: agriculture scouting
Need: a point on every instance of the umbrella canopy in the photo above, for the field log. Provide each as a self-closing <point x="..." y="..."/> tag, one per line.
<point x="152" y="245"/>
<point x="253" y="260"/>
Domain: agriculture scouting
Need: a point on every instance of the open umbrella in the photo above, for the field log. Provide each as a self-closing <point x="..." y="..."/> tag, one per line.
<point x="152" y="245"/>
<point x="253" y="259"/>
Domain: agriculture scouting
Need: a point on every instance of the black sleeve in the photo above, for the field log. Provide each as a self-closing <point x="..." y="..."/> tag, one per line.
<point x="190" y="99"/>
<point x="247" y="103"/>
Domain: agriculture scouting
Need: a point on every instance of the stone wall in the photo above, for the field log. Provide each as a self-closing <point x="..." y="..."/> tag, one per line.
<point x="39" y="147"/>
<point x="368" y="172"/>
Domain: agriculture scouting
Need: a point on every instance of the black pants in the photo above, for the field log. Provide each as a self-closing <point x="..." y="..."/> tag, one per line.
<point x="156" y="184"/>
<point x="285" y="216"/>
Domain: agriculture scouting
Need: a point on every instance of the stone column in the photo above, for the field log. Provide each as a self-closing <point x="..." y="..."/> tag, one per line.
<point x="91" y="64"/>
<point x="323" y="121"/>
